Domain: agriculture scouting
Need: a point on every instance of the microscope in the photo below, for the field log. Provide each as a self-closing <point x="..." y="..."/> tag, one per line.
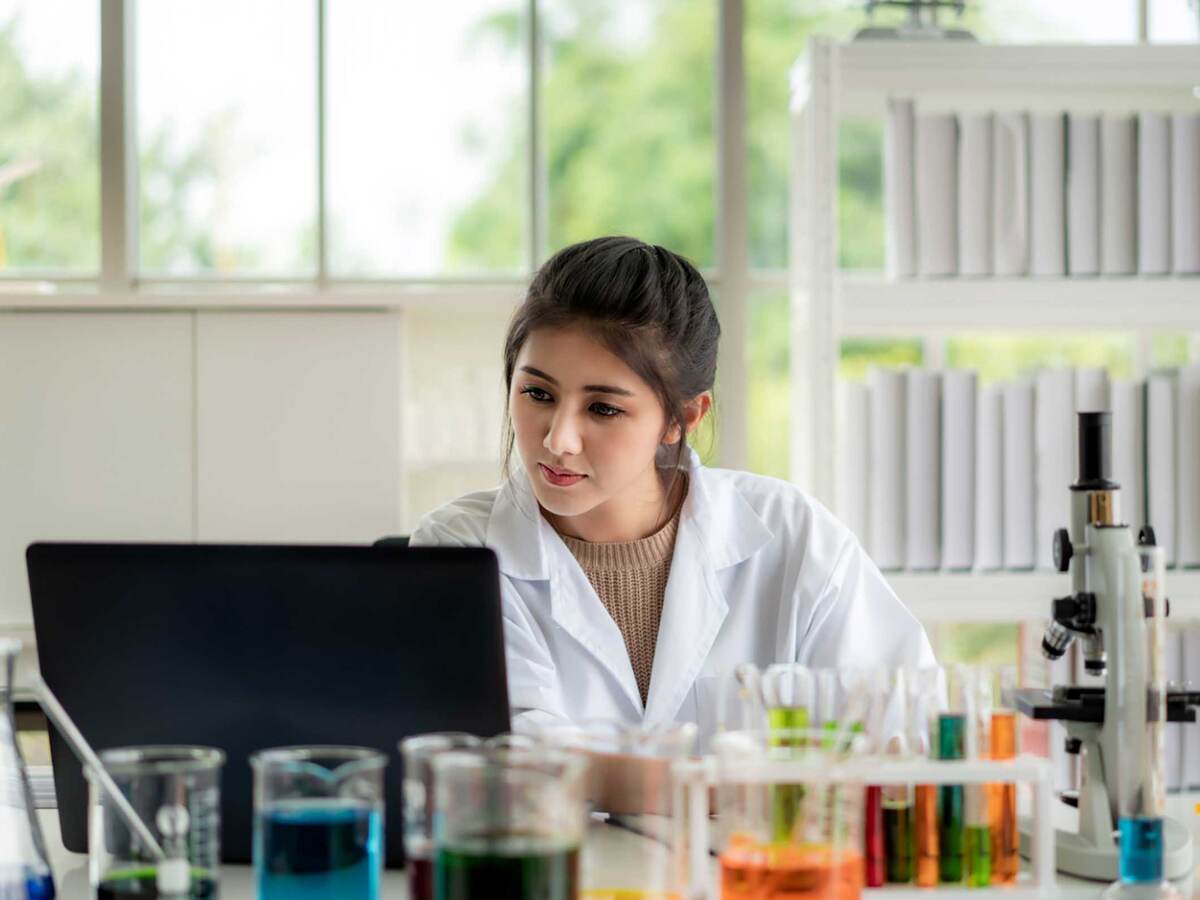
<point x="1116" y="729"/>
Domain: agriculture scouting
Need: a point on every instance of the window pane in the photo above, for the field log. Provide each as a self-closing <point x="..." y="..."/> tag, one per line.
<point x="769" y="389"/>
<point x="1174" y="21"/>
<point x="227" y="137"/>
<point x="49" y="145"/>
<point x="858" y="355"/>
<point x="628" y="121"/>
<point x="976" y="644"/>
<point x="427" y="137"/>
<point x="1168" y="351"/>
<point x="1004" y="356"/>
<point x="1037" y="21"/>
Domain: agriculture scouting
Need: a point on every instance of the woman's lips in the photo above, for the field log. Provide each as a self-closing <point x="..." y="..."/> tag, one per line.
<point x="557" y="479"/>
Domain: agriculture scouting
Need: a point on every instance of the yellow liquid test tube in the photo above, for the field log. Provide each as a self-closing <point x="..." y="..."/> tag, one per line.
<point x="786" y="726"/>
<point x="1003" y="802"/>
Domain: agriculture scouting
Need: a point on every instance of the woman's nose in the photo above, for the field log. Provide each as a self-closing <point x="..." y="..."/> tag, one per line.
<point x="563" y="438"/>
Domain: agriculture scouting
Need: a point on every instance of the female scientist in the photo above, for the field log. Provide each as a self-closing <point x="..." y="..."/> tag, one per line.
<point x="633" y="576"/>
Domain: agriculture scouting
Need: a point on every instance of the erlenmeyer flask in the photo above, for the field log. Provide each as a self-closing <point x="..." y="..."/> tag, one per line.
<point x="24" y="866"/>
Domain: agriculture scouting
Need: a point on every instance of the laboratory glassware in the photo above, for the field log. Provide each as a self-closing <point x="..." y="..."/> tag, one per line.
<point x="176" y="793"/>
<point x="417" y="752"/>
<point x="318" y="822"/>
<point x="24" y="866"/>
<point x="508" y="823"/>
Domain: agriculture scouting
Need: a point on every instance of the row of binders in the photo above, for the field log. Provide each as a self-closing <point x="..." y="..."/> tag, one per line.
<point x="1181" y="655"/>
<point x="1016" y="193"/>
<point x="940" y="472"/>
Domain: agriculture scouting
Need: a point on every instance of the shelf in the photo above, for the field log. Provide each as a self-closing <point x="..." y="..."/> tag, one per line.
<point x="883" y="306"/>
<point x="1000" y="597"/>
<point x="1047" y="76"/>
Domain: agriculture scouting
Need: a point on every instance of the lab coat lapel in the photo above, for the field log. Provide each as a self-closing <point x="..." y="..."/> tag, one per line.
<point x="578" y="610"/>
<point x="717" y="529"/>
<point x="527" y="547"/>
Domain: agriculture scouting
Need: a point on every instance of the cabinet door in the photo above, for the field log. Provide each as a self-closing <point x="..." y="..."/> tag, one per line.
<point x="298" y="423"/>
<point x="96" y="438"/>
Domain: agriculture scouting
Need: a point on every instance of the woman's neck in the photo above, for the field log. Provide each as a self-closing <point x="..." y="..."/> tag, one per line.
<point x="623" y="519"/>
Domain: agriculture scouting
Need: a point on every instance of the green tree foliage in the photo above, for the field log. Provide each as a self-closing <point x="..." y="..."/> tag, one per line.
<point x="50" y="217"/>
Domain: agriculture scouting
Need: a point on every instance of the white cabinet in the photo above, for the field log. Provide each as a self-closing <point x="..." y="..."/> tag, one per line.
<point x="96" y="437"/>
<point x="298" y="426"/>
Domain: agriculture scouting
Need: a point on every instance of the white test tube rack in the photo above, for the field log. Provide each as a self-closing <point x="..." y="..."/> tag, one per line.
<point x="873" y="770"/>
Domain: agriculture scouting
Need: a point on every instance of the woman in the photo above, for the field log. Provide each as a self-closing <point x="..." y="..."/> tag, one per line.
<point x="634" y="577"/>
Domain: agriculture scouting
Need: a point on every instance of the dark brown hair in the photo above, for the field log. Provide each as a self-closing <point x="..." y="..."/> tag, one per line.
<point x="650" y="307"/>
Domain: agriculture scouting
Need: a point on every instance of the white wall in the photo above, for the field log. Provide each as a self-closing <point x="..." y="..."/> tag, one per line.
<point x="180" y="426"/>
<point x="454" y="404"/>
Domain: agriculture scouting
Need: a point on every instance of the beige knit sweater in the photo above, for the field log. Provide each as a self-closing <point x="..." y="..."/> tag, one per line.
<point x="631" y="579"/>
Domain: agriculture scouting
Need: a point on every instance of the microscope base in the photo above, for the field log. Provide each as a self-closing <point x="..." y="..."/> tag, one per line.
<point x="1077" y="857"/>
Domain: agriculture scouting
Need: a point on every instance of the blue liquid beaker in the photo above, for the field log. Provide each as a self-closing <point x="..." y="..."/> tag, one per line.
<point x="318" y="823"/>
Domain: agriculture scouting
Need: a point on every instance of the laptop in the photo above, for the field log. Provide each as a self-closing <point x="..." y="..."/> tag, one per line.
<point x="244" y="647"/>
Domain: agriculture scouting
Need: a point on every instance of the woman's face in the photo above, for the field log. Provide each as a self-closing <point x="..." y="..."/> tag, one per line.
<point x="587" y="430"/>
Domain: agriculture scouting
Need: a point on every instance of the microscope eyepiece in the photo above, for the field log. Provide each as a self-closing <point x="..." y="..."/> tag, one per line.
<point x="1095" y="451"/>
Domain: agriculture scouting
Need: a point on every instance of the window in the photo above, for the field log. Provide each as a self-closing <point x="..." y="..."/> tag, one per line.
<point x="49" y="147"/>
<point x="628" y="123"/>
<point x="227" y="141"/>
<point x="428" y="137"/>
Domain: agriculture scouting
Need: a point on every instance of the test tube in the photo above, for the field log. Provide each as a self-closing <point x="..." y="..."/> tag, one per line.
<point x="977" y="688"/>
<point x="896" y="799"/>
<point x="951" y="744"/>
<point x="865" y="694"/>
<point x="927" y="693"/>
<point x="788" y="693"/>
<point x="1003" y="800"/>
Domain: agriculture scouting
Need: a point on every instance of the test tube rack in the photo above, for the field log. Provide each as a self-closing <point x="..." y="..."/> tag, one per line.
<point x="692" y="823"/>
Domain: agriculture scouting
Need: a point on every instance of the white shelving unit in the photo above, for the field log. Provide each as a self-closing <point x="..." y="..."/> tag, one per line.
<point x="998" y="597"/>
<point x="833" y="82"/>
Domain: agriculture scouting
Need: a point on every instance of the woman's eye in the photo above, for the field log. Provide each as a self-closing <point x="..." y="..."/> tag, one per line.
<point x="536" y="393"/>
<point x="603" y="409"/>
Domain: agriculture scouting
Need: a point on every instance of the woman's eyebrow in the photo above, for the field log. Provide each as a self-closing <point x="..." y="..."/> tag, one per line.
<point x="590" y="388"/>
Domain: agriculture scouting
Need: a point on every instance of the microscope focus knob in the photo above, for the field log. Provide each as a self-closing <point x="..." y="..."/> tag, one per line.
<point x="1062" y="550"/>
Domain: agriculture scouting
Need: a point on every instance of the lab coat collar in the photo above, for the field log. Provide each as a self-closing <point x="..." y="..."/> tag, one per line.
<point x="717" y="529"/>
<point x="729" y="529"/>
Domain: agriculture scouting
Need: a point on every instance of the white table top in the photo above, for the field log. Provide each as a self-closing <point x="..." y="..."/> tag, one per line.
<point x="237" y="882"/>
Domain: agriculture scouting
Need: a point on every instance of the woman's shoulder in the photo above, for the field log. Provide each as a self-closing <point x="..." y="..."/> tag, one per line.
<point x="798" y="522"/>
<point x="774" y="499"/>
<point x="460" y="522"/>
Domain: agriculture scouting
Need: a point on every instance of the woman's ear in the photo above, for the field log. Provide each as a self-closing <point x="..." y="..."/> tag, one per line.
<point x="694" y="412"/>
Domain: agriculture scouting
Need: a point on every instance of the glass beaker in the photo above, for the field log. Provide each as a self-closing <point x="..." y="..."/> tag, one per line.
<point x="418" y="752"/>
<point x="629" y="781"/>
<point x="176" y="791"/>
<point x="24" y="865"/>
<point x="508" y="823"/>
<point x="318" y="822"/>
<point x="819" y="854"/>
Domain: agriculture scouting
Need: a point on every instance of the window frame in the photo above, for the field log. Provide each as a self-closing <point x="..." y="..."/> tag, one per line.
<point x="119" y="284"/>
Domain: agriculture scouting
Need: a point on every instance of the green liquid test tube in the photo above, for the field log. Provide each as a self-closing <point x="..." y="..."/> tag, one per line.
<point x="979" y="855"/>
<point x="786" y="726"/>
<point x="951" y="744"/>
<point x="897" y="841"/>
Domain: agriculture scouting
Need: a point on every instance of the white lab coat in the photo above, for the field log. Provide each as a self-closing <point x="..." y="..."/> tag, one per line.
<point x="761" y="573"/>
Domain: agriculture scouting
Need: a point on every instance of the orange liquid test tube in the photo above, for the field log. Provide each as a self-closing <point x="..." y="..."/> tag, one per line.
<point x="925" y="835"/>
<point x="1003" y="802"/>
